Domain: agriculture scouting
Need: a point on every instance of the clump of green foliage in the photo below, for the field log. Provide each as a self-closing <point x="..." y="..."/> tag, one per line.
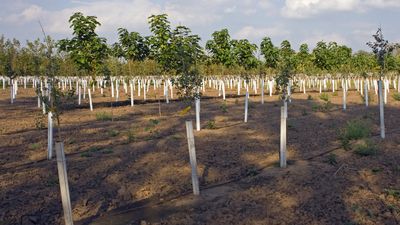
<point x="223" y="107"/>
<point x="211" y="125"/>
<point x="113" y="133"/>
<point x="40" y="121"/>
<point x="366" y="148"/>
<point x="354" y="130"/>
<point x="396" y="96"/>
<point x="331" y="159"/>
<point x="131" y="136"/>
<point x="103" y="116"/>
<point x="324" y="97"/>
<point x="393" y="192"/>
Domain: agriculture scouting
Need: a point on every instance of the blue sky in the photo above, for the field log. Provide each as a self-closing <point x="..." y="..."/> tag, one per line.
<point x="350" y="22"/>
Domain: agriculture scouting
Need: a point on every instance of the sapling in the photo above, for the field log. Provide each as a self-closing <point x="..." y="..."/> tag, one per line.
<point x="381" y="48"/>
<point x="286" y="67"/>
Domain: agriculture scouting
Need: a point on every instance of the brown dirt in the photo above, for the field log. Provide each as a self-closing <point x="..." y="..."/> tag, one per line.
<point x="135" y="170"/>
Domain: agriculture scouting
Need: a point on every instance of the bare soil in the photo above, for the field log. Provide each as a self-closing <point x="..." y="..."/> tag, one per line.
<point x="134" y="169"/>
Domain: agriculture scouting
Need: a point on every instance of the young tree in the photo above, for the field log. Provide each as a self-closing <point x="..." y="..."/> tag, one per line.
<point x="286" y="66"/>
<point x="86" y="48"/>
<point x="221" y="49"/>
<point x="270" y="53"/>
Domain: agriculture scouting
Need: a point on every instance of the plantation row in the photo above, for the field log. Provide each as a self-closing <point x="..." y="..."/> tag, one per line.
<point x="140" y="86"/>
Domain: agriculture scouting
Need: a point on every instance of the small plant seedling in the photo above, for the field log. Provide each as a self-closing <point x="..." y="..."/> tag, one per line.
<point x="396" y="96"/>
<point x="366" y="149"/>
<point x="131" y="136"/>
<point x="154" y="122"/>
<point x="393" y="192"/>
<point x="223" y="107"/>
<point x="304" y="112"/>
<point x="309" y="98"/>
<point x="354" y="130"/>
<point x="210" y="125"/>
<point x="113" y="133"/>
<point x="335" y="93"/>
<point x="324" y="97"/>
<point x="107" y="151"/>
<point x="376" y="170"/>
<point x="51" y="182"/>
<point x="331" y="159"/>
<point x="34" y="146"/>
<point x="40" y="121"/>
<point x="315" y="107"/>
<point x="94" y="149"/>
<point x="86" y="154"/>
<point x="103" y="116"/>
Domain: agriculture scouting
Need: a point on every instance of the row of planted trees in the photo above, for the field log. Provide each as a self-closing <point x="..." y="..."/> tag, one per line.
<point x="168" y="50"/>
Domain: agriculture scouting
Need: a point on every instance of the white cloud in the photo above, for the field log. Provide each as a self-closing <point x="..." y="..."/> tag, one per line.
<point x="250" y="32"/>
<point x="307" y="8"/>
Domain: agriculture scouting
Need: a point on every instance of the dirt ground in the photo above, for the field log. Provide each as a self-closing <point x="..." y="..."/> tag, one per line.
<point x="134" y="168"/>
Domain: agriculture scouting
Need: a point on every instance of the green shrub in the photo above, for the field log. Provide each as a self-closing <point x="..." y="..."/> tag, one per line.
<point x="210" y="125"/>
<point x="107" y="151"/>
<point x="86" y="154"/>
<point x="223" y="107"/>
<point x="103" y="116"/>
<point x="396" y="96"/>
<point x="366" y="149"/>
<point x="355" y="130"/>
<point x="40" y="123"/>
<point x="331" y="159"/>
<point x="34" y="146"/>
<point x="113" y="133"/>
<point x="324" y="97"/>
<point x="131" y="136"/>
<point x="393" y="192"/>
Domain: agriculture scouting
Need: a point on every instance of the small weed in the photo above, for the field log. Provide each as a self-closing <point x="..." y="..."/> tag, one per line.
<point x="103" y="116"/>
<point x="51" y="182"/>
<point x="326" y="107"/>
<point x="40" y="121"/>
<point x="71" y="141"/>
<point x="236" y="101"/>
<point x="355" y="130"/>
<point x="393" y="208"/>
<point x="393" y="192"/>
<point x="376" y="170"/>
<point x="107" y="151"/>
<point x="335" y="93"/>
<point x="154" y="122"/>
<point x="131" y="136"/>
<point x="113" y="133"/>
<point x="324" y="97"/>
<point x="223" y="107"/>
<point x="309" y="98"/>
<point x="304" y="113"/>
<point x="86" y="154"/>
<point x="331" y="159"/>
<point x="210" y="125"/>
<point x="34" y="146"/>
<point x="315" y="107"/>
<point x="366" y="149"/>
<point x="396" y="96"/>
<point x="94" y="149"/>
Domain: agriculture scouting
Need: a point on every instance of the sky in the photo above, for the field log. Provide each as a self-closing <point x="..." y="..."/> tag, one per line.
<point x="349" y="22"/>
